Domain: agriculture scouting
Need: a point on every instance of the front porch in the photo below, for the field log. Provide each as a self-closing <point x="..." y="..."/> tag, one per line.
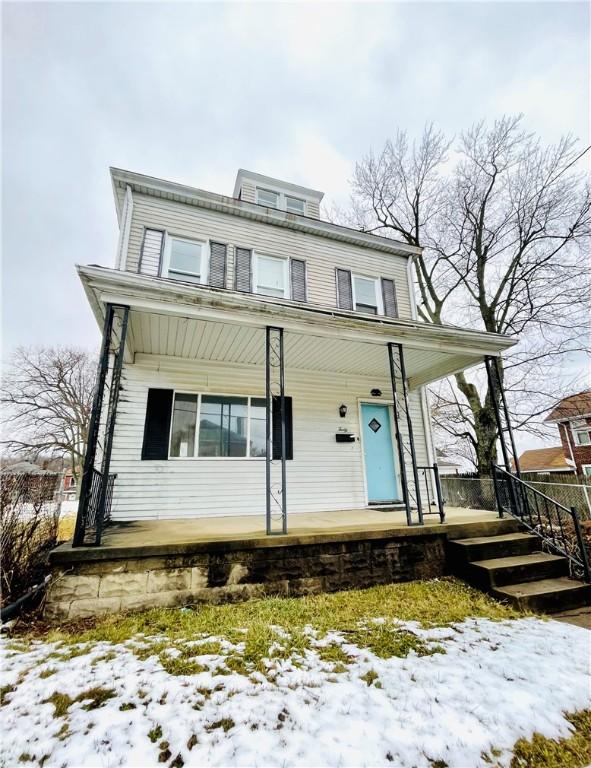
<point x="166" y="563"/>
<point x="329" y="410"/>
<point x="143" y="537"/>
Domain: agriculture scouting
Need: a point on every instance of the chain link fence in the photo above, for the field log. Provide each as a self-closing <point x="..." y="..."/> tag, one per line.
<point x="478" y="493"/>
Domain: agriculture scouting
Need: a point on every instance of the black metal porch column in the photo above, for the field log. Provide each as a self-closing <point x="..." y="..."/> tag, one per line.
<point x="395" y="351"/>
<point x="110" y="424"/>
<point x="497" y="392"/>
<point x="276" y="481"/>
<point x="93" y="427"/>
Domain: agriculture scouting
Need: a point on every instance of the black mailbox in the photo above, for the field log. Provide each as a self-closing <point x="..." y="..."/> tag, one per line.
<point x="345" y="437"/>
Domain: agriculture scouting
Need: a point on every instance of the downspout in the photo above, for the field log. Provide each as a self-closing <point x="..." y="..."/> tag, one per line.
<point x="125" y="230"/>
<point x="566" y="426"/>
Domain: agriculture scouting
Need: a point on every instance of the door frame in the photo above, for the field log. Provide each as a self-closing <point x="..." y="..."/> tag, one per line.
<point x="389" y="403"/>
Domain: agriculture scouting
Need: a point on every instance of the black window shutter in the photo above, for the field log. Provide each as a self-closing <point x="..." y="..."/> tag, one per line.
<point x="298" y="279"/>
<point x="276" y="423"/>
<point x="344" y="289"/>
<point x="243" y="275"/>
<point x="157" y="424"/>
<point x="217" y="265"/>
<point x="389" y="296"/>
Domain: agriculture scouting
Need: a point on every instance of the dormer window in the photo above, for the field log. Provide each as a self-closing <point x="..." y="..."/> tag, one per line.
<point x="267" y="198"/>
<point x="295" y="205"/>
<point x="186" y="260"/>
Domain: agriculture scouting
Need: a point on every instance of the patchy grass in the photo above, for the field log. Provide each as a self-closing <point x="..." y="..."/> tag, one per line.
<point x="61" y="702"/>
<point x="225" y="724"/>
<point x="45" y="673"/>
<point x="279" y="627"/>
<point x="386" y="641"/>
<point x="93" y="698"/>
<point x="572" y="752"/>
<point x="432" y="603"/>
<point x="155" y="734"/>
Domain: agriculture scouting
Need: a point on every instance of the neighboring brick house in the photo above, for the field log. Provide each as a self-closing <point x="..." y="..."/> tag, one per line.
<point x="573" y="417"/>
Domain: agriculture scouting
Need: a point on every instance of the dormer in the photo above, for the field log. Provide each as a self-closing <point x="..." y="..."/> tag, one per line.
<point x="274" y="193"/>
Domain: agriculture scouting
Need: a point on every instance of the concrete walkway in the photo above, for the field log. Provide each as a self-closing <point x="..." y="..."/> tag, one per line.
<point x="581" y="617"/>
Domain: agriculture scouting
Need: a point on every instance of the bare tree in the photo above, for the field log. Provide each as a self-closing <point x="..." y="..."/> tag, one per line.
<point x="503" y="220"/>
<point x="47" y="397"/>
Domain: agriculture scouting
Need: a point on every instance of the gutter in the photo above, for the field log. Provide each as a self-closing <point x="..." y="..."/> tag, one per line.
<point x="154" y="294"/>
<point x="168" y="190"/>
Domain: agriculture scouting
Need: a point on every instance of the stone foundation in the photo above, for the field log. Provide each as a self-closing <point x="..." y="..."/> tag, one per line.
<point x="98" y="581"/>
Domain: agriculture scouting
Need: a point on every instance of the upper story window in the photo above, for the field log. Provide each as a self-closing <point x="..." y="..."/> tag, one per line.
<point x="366" y="295"/>
<point x="582" y="436"/>
<point x="186" y="260"/>
<point x="268" y="198"/>
<point x="271" y="276"/>
<point x="295" y="205"/>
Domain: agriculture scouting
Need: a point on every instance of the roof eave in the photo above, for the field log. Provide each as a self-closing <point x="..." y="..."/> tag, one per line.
<point x="201" y="198"/>
<point x="114" y="283"/>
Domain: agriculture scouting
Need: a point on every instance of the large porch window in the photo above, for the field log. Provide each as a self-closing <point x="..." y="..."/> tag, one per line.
<point x="217" y="426"/>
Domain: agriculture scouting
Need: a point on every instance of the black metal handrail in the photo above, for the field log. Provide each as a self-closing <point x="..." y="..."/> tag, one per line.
<point x="433" y="494"/>
<point x="557" y="526"/>
<point x="94" y="517"/>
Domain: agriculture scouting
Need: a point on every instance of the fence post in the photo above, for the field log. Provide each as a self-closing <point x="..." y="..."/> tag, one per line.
<point x="581" y="543"/>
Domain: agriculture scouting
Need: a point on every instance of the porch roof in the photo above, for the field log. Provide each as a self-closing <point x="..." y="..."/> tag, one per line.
<point x="197" y="322"/>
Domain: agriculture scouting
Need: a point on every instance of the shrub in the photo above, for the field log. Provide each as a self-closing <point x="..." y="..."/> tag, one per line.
<point x="29" y="519"/>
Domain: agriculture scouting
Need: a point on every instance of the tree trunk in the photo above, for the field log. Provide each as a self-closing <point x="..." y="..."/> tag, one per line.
<point x="485" y="429"/>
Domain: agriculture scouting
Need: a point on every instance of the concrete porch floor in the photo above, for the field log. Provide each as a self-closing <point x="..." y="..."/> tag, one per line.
<point x="147" y="533"/>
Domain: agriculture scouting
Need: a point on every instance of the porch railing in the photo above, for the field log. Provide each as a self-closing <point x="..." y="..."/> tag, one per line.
<point x="557" y="526"/>
<point x="430" y="491"/>
<point x="95" y="518"/>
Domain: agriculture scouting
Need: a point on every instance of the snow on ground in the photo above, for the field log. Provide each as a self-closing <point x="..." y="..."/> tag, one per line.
<point x="495" y="683"/>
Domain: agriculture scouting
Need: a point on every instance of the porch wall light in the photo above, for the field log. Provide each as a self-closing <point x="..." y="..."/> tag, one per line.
<point x="376" y="393"/>
<point x="343" y="411"/>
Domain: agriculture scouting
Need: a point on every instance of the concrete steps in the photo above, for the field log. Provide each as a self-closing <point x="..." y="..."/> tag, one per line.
<point x="511" y="567"/>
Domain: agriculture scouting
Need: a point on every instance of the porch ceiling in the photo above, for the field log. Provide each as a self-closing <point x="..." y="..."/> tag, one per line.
<point x="192" y="339"/>
<point x="188" y="322"/>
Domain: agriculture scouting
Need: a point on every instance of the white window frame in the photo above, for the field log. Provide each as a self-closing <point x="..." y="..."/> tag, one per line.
<point x="204" y="277"/>
<point x="378" y="284"/>
<point x="271" y="192"/>
<point x="255" y="274"/>
<point x="281" y="201"/>
<point x="586" y="467"/>
<point x="576" y="432"/>
<point x="199" y="395"/>
<point x="299" y="200"/>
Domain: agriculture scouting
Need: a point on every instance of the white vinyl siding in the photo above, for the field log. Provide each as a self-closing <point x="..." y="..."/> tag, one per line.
<point x="324" y="474"/>
<point x="322" y="255"/>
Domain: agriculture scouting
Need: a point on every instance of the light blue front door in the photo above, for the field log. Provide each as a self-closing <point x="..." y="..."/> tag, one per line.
<point x="378" y="452"/>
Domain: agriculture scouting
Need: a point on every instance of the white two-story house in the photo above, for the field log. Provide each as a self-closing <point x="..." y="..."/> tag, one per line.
<point x="258" y="360"/>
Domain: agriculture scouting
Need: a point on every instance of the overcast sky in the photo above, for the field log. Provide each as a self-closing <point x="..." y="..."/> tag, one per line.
<point x="191" y="92"/>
